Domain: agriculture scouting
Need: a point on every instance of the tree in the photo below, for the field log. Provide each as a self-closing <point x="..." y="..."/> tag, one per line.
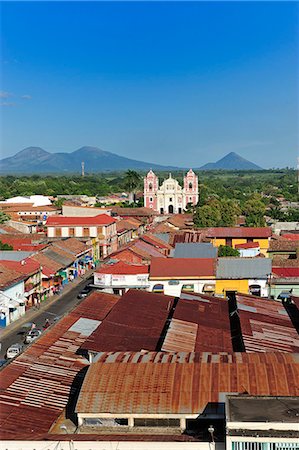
<point x="3" y="217"/>
<point x="226" y="250"/>
<point x="206" y="216"/>
<point x="5" y="246"/>
<point x="131" y="183"/>
<point x="254" y="210"/>
<point x="230" y="212"/>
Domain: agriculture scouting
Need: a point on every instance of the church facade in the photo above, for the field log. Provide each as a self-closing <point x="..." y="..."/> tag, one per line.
<point x="170" y="197"/>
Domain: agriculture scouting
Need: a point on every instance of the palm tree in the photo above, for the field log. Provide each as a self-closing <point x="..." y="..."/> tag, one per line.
<point x="131" y="183"/>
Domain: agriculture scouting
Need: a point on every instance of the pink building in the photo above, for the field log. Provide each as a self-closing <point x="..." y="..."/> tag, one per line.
<point x="170" y="197"/>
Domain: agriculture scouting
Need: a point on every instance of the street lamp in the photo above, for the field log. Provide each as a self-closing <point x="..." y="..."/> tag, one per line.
<point x="211" y="430"/>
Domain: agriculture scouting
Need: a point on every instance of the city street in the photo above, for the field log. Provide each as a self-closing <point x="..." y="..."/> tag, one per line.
<point x="55" y="310"/>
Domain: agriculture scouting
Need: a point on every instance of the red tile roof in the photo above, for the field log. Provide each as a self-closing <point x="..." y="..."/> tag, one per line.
<point x="101" y="219"/>
<point x="238" y="232"/>
<point x="123" y="268"/>
<point x="248" y="245"/>
<point x="187" y="268"/>
<point x="286" y="272"/>
<point x="283" y="245"/>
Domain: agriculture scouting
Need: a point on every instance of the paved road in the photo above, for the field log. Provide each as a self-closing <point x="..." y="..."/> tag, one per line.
<point x="55" y="311"/>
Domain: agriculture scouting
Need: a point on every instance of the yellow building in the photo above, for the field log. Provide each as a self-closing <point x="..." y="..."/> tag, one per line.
<point x="244" y="275"/>
<point x="233" y="236"/>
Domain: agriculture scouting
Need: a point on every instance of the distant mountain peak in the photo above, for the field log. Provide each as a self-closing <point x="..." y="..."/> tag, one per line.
<point x="37" y="160"/>
<point x="231" y="161"/>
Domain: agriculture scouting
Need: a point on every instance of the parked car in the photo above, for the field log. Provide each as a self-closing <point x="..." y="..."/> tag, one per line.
<point x="84" y="292"/>
<point x="32" y="335"/>
<point x="14" y="350"/>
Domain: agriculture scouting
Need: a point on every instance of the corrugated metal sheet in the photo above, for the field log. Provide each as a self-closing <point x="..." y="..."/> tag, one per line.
<point x="135" y="323"/>
<point x="163" y="236"/>
<point x="183" y="387"/>
<point x="35" y="387"/>
<point x="243" y="268"/>
<point x="11" y="255"/>
<point x="195" y="250"/>
<point x="186" y="268"/>
<point x="181" y="336"/>
<point x="60" y="259"/>
<point x="266" y="326"/>
<point x="208" y="318"/>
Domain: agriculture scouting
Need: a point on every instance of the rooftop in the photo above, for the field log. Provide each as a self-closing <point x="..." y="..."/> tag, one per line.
<point x="266" y="325"/>
<point x="123" y="268"/>
<point x="195" y="250"/>
<point x="135" y="323"/>
<point x="181" y="383"/>
<point x="263" y="409"/>
<point x="101" y="219"/>
<point x="187" y="268"/>
<point x="35" y="387"/>
<point x="243" y="268"/>
<point x="238" y="232"/>
<point x="200" y="323"/>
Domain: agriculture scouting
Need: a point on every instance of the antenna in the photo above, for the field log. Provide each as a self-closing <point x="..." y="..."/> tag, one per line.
<point x="82" y="169"/>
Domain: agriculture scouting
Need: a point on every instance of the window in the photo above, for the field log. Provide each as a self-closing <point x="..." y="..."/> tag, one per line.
<point x="58" y="232"/>
<point x="158" y="288"/>
<point x="151" y="199"/>
<point x="190" y="186"/>
<point x="188" y="287"/>
<point x="150" y="186"/>
<point x="170" y="199"/>
<point x="71" y="231"/>
<point x="85" y="232"/>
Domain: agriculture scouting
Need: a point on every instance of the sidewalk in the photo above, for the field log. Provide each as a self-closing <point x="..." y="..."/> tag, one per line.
<point x="34" y="311"/>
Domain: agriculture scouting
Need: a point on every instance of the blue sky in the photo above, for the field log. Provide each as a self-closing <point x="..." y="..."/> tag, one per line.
<point x="172" y="83"/>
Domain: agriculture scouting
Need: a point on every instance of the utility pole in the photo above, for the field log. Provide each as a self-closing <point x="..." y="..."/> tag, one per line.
<point x="82" y="169"/>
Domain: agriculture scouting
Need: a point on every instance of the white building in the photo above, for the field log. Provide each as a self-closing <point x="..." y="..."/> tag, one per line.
<point x="170" y="197"/>
<point x="118" y="278"/>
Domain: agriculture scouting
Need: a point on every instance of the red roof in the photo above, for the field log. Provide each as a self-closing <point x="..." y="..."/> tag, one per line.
<point x="135" y="323"/>
<point x="291" y="236"/>
<point x="101" y="219"/>
<point x="286" y="272"/>
<point x="238" y="232"/>
<point x="27" y="268"/>
<point x="122" y="268"/>
<point x="248" y="245"/>
<point x="182" y="267"/>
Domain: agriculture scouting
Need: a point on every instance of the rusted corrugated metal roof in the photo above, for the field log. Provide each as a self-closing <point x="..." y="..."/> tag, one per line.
<point x="35" y="387"/>
<point x="266" y="325"/>
<point x="175" y="387"/>
<point x="200" y="323"/>
<point x="135" y="323"/>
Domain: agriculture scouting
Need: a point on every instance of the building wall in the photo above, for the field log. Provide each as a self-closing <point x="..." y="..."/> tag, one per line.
<point x="79" y="211"/>
<point x="249" y="252"/>
<point x="175" y="289"/>
<point x="16" y="293"/>
<point x="170" y="196"/>
<point x="231" y="285"/>
<point x="114" y="280"/>
<point x="276" y="289"/>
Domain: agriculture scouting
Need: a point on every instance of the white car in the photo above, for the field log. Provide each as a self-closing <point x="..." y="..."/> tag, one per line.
<point x="14" y="350"/>
<point x="32" y="335"/>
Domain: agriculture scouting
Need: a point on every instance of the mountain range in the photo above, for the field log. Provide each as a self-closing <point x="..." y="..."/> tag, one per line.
<point x="36" y="160"/>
